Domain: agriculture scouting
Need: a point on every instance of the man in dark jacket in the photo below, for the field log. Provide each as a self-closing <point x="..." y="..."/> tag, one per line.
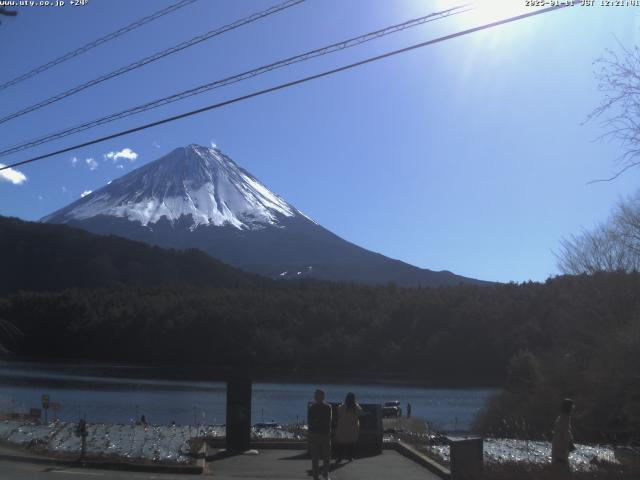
<point x="320" y="434"/>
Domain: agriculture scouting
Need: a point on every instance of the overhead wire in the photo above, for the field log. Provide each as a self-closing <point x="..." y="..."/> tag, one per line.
<point x="85" y="48"/>
<point x="152" y="58"/>
<point x="288" y="84"/>
<point x="334" y="47"/>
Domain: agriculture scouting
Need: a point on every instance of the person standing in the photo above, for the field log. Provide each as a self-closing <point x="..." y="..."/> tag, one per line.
<point x="408" y="410"/>
<point x="320" y="434"/>
<point x="562" y="442"/>
<point x="348" y="427"/>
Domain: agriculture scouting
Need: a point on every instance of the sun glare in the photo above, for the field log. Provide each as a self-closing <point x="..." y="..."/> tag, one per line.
<point x="478" y="12"/>
<point x="486" y="11"/>
<point x="475" y="13"/>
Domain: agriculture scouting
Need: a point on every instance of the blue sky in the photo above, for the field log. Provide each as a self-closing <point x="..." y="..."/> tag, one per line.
<point x="469" y="155"/>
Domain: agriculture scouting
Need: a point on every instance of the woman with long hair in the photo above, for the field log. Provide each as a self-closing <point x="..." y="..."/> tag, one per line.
<point x="348" y="427"/>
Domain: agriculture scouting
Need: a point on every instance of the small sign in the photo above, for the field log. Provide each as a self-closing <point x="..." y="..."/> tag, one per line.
<point x="45" y="401"/>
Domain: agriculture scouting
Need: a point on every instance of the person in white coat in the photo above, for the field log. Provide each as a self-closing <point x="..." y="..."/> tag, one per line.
<point x="348" y="427"/>
<point x="562" y="442"/>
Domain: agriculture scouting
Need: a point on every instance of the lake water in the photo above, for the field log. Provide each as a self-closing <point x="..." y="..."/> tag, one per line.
<point x="105" y="397"/>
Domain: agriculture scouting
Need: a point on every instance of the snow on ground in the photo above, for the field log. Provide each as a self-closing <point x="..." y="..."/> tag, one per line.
<point x="155" y="443"/>
<point x="21" y="433"/>
<point x="274" y="433"/>
<point x="497" y="450"/>
<point x="170" y="444"/>
<point x="158" y="443"/>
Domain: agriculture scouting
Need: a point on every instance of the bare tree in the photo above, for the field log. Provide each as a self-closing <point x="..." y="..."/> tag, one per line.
<point x="618" y="79"/>
<point x="611" y="246"/>
<point x="627" y="223"/>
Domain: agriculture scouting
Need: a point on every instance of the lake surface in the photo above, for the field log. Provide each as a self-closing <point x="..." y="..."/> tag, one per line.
<point x="104" y="396"/>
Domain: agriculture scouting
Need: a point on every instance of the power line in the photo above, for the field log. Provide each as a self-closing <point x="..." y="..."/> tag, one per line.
<point x="95" y="43"/>
<point x="152" y="58"/>
<point x="352" y="42"/>
<point x="282" y="86"/>
<point x="235" y="78"/>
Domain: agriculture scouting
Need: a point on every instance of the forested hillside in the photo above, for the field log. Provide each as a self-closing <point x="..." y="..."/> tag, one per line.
<point x="36" y="256"/>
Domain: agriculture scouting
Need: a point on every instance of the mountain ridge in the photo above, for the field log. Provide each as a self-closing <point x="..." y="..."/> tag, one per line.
<point x="49" y="257"/>
<point x="197" y="197"/>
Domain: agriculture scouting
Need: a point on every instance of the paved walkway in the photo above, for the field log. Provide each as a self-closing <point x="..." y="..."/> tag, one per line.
<point x="268" y="464"/>
<point x="28" y="471"/>
<point x="291" y="464"/>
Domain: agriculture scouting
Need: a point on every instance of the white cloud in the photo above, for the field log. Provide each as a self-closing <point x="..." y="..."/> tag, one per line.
<point x="156" y="144"/>
<point x="64" y="189"/>
<point x="40" y="197"/>
<point x="91" y="163"/>
<point x="85" y="193"/>
<point x="124" y="153"/>
<point x="73" y="161"/>
<point x="12" y="175"/>
<point x="120" y="166"/>
<point x="213" y="144"/>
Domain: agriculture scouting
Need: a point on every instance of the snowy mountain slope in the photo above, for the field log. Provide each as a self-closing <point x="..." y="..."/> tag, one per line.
<point x="197" y="197"/>
<point x="195" y="181"/>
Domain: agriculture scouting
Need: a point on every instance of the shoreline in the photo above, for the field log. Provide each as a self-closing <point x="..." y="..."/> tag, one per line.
<point x="204" y="373"/>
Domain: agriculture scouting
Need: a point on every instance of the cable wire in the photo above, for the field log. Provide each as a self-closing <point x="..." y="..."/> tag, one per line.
<point x="95" y="43"/>
<point x="352" y="42"/>
<point x="152" y="58"/>
<point x="282" y="86"/>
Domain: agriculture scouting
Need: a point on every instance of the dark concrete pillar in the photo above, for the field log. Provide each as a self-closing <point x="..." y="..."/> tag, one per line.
<point x="466" y="455"/>
<point x="238" y="414"/>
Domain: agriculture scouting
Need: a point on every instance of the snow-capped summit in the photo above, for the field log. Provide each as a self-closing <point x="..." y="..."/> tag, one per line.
<point x="197" y="197"/>
<point x="197" y="182"/>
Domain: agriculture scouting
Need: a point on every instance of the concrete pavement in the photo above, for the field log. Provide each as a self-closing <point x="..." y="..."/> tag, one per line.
<point x="28" y="471"/>
<point x="9" y="453"/>
<point x="275" y="464"/>
<point x="292" y="464"/>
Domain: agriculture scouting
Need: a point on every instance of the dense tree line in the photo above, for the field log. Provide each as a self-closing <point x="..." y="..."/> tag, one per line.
<point x="571" y="336"/>
<point x="37" y="256"/>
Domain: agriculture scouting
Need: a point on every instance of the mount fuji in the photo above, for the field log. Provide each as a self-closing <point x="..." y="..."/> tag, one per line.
<point x="197" y="197"/>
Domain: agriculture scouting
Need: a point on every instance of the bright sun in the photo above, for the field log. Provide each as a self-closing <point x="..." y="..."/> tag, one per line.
<point x="485" y="11"/>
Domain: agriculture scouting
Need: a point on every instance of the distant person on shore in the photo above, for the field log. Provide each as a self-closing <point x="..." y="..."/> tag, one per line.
<point x="348" y="427"/>
<point x="408" y="410"/>
<point x="320" y="434"/>
<point x="562" y="442"/>
<point x="143" y="420"/>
